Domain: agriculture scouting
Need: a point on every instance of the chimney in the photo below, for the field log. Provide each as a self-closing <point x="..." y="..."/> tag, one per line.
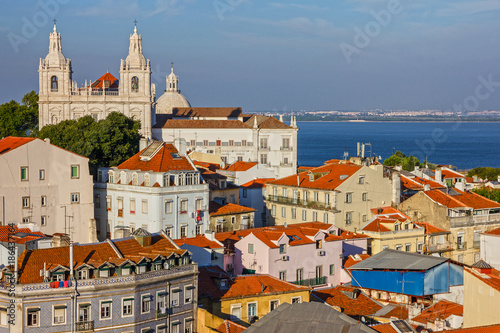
<point x="427" y="187"/>
<point x="437" y="175"/>
<point x="460" y="185"/>
<point x="210" y="235"/>
<point x="143" y="143"/>
<point x="180" y="144"/>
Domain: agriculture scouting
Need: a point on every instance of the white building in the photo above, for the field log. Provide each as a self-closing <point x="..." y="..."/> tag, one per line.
<point x="490" y="247"/>
<point x="60" y="98"/>
<point x="157" y="189"/>
<point x="234" y="136"/>
<point x="46" y="185"/>
<point x="252" y="194"/>
<point x="241" y="172"/>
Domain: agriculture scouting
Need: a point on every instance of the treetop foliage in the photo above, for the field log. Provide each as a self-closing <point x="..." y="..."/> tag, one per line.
<point x="485" y="173"/>
<point x="19" y="119"/>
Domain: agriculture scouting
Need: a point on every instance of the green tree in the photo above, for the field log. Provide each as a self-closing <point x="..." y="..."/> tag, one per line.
<point x="485" y="173"/>
<point x="19" y="119"/>
<point x="407" y="162"/>
<point x="492" y="194"/>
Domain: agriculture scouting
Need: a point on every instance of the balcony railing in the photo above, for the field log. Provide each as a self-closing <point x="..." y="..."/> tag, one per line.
<point x="82" y="326"/>
<point x="462" y="246"/>
<point x="292" y="201"/>
<point x="162" y="313"/>
<point x="438" y="248"/>
<point x="317" y="281"/>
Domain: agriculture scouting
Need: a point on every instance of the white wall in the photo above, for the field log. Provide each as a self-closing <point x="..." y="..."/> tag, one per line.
<point x="490" y="249"/>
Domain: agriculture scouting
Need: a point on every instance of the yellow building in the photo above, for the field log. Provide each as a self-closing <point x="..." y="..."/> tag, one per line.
<point x="243" y="299"/>
<point x="339" y="192"/>
<point x="391" y="229"/>
<point x="481" y="295"/>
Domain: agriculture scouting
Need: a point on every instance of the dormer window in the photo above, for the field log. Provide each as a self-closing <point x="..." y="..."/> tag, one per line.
<point x="54" y="84"/>
<point x="319" y="244"/>
<point x="396" y="227"/>
<point x="126" y="270"/>
<point x="111" y="177"/>
<point x="282" y="248"/>
<point x="82" y="274"/>
<point x="147" y="181"/>
<point x="142" y="268"/>
<point x="223" y="284"/>
<point x="135" y="179"/>
<point x="58" y="276"/>
<point x="223" y="184"/>
<point x="104" y="272"/>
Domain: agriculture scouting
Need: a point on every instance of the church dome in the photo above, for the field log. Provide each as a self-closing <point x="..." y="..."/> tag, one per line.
<point x="170" y="100"/>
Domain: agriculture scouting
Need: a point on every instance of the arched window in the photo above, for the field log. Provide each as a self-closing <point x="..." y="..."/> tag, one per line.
<point x="134" y="179"/>
<point x="147" y="180"/>
<point x="54" y="85"/>
<point x="135" y="84"/>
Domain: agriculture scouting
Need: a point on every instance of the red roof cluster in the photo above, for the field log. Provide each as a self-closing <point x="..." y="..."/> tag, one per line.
<point x="449" y="174"/>
<point x="11" y="142"/>
<point x="200" y="241"/>
<point x="417" y="183"/>
<point x="492" y="278"/>
<point x="465" y="199"/>
<point x="354" y="259"/>
<point x="257" y="183"/>
<point x="431" y="229"/>
<point x="350" y="300"/>
<point x="495" y="232"/>
<point x="240" y="166"/>
<point x="18" y="235"/>
<point x="217" y="209"/>
<point x="253" y="285"/>
<point x="441" y="310"/>
<point x="166" y="159"/>
<point x="479" y="329"/>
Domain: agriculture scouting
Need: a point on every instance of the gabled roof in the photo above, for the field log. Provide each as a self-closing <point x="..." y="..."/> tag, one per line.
<point x="431" y="229"/>
<point x="240" y="166"/>
<point x="454" y="198"/>
<point x="326" y="177"/>
<point x="200" y="241"/>
<point x="492" y="279"/>
<point x="257" y="183"/>
<point x="221" y="112"/>
<point x="264" y="122"/>
<point x="113" y="82"/>
<point x="354" y="259"/>
<point x="395" y="326"/>
<point x="260" y="285"/>
<point x="417" y="183"/>
<point x="398" y="260"/>
<point x="495" y="232"/>
<point x="217" y="209"/>
<point x="165" y="122"/>
<point x="448" y="174"/>
<point x="393" y="311"/>
<point x="11" y="142"/>
<point x="440" y="310"/>
<point x="341" y="297"/>
<point x="18" y="235"/>
<point x="376" y="225"/>
<point x="230" y="327"/>
<point x="164" y="160"/>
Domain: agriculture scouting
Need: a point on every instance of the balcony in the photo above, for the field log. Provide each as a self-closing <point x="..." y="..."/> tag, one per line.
<point x="291" y="201"/>
<point x="446" y="246"/>
<point x="462" y="246"/>
<point x="162" y="313"/>
<point x="82" y="326"/>
<point x="286" y="148"/>
<point x="317" y="281"/>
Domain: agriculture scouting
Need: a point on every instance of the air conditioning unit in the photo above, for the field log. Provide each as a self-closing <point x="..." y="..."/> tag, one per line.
<point x="321" y="253"/>
<point x="285" y="258"/>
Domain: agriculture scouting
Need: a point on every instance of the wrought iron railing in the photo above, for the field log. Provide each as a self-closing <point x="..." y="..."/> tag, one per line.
<point x="82" y="326"/>
<point x="317" y="281"/>
<point x="309" y="203"/>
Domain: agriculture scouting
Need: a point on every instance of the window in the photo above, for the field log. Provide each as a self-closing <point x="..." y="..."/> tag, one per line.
<point x="160" y="301"/>
<point x="348" y="197"/>
<point x="43" y="220"/>
<point x="407" y="226"/>
<point x="325" y="217"/>
<point x="108" y="203"/>
<point x="54" y="85"/>
<point x="135" y="180"/>
<point x="348" y="218"/>
<point x="283" y="211"/>
<point x="145" y="206"/>
<point x="294" y="213"/>
<point x="132" y="206"/>
<point x="184" y="206"/>
<point x="420" y="247"/>
<point x="361" y="180"/>
<point x="198" y="229"/>
<point x="396" y="227"/>
<point x="263" y="158"/>
<point x="147" y="181"/>
<point x="250" y="248"/>
<point x="327" y="199"/>
<point x="251" y="311"/>
<point x="135" y="84"/>
<point x="82" y="274"/>
<point x="43" y="201"/>
<point x="24" y="173"/>
<point x="146" y="303"/>
<point x="399" y="247"/>
<point x="84" y="312"/>
<point x="244" y="194"/>
<point x="127" y="307"/>
<point x="282" y="248"/>
<point x="284" y="192"/>
<point x="240" y="158"/>
<point x="364" y="217"/>
<point x="75" y="198"/>
<point x="205" y="142"/>
<point x="364" y="196"/>
<point x="168" y="206"/>
<point x="231" y="142"/>
<point x="286" y="143"/>
<point x="41" y="174"/>
<point x="299" y="274"/>
<point x="283" y="275"/>
<point x="315" y="196"/>
<point x="174" y="298"/>
<point x="332" y="269"/>
<point x="273" y="304"/>
<point x="385" y="247"/>
<point x="26" y="202"/>
<point x="319" y="244"/>
<point x="236" y="312"/>
<point x="33" y="317"/>
<point x="296" y="300"/>
<point x="75" y="171"/>
<point x="263" y="143"/>
<point x="304" y="215"/>
<point x="184" y="231"/>
<point x="188" y="294"/>
<point x="3" y="317"/>
<point x="59" y="314"/>
<point x="408" y="247"/>
<point x="273" y="210"/>
<point x="198" y="204"/>
<point x="315" y="216"/>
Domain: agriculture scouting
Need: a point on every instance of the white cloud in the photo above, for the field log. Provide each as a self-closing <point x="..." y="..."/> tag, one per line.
<point x="468" y="8"/>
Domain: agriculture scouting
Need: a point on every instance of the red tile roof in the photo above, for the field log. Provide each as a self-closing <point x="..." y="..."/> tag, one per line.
<point x="224" y="112"/>
<point x="384" y="328"/>
<point x="217" y="209"/>
<point x="257" y="183"/>
<point x="377" y="225"/>
<point x="113" y="82"/>
<point x="354" y="259"/>
<point x="230" y="327"/>
<point x="8" y="234"/>
<point x="11" y="142"/>
<point x="447" y="174"/>
<point x="430" y="229"/>
<point x="441" y="310"/>
<point x="200" y="241"/>
<point x="399" y="311"/>
<point x="495" y="232"/>
<point x="417" y="183"/>
<point x="265" y="122"/>
<point x="492" y="279"/>
<point x="259" y="285"/>
<point x="32" y="261"/>
<point x="462" y="199"/>
<point x="240" y="166"/>
<point x="362" y="305"/>
<point x="478" y="329"/>
<point x="327" y="177"/>
<point x="164" y="122"/>
<point x="388" y="211"/>
<point x="162" y="161"/>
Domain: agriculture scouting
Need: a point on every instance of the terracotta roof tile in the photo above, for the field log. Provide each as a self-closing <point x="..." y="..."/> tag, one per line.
<point x="447" y="174"/>
<point x="222" y="112"/>
<point x="362" y="305"/>
<point x="257" y="183"/>
<point x="230" y="327"/>
<point x="327" y="177"/>
<point x="492" y="279"/>
<point x="195" y="123"/>
<point x="377" y="225"/>
<point x="417" y="183"/>
<point x="200" y="241"/>
<point x="162" y="161"/>
<point x="216" y="209"/>
<point x="354" y="259"/>
<point x="479" y="329"/>
<point x="11" y="142"/>
<point x="18" y="235"/>
<point x="240" y="166"/>
<point x="384" y="328"/>
<point x="493" y="232"/>
<point x="441" y="310"/>
<point x="430" y="229"/>
<point x="462" y="199"/>
<point x="113" y="82"/>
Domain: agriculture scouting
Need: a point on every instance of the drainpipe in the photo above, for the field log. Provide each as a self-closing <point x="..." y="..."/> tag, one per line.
<point x="169" y="288"/>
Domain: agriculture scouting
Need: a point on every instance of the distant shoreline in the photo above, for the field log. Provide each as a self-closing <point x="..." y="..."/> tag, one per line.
<point x="399" y="121"/>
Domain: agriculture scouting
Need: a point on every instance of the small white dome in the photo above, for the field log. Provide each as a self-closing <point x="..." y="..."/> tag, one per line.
<point x="170" y="100"/>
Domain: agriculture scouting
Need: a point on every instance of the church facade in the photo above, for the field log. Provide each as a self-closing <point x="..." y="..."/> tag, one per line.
<point x="60" y="98"/>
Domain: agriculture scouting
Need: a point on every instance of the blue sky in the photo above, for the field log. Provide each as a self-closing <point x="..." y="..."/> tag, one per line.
<point x="421" y="54"/>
